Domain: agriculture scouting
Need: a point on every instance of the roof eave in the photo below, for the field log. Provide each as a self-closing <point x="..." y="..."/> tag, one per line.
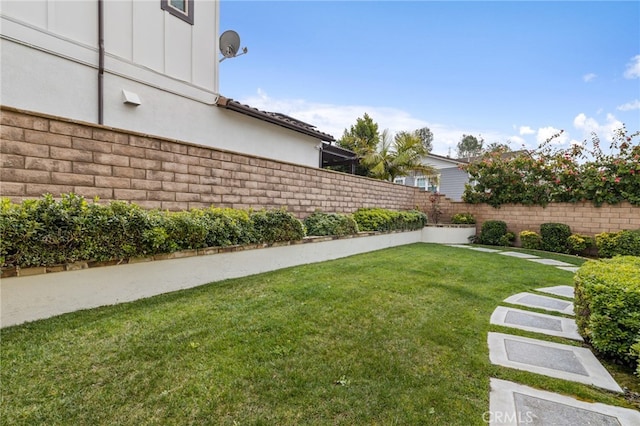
<point x="236" y="106"/>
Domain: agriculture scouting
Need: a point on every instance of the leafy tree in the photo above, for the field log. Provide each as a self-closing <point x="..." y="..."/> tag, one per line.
<point x="397" y="157"/>
<point x="469" y="146"/>
<point x="361" y="138"/>
<point x="426" y="136"/>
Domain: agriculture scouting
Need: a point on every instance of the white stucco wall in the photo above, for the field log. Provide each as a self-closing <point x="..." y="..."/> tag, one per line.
<point x="50" y="65"/>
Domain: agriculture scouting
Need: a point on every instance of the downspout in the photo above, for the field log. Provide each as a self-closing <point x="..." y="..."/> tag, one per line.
<point x="100" y="62"/>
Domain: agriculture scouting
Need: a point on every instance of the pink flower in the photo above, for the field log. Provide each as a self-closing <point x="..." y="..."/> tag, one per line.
<point x="617" y="180"/>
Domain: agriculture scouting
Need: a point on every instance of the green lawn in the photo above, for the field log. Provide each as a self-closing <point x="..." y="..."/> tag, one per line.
<point x="396" y="336"/>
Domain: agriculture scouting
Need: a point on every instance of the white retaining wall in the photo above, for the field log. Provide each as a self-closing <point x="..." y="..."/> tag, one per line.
<point x="41" y="296"/>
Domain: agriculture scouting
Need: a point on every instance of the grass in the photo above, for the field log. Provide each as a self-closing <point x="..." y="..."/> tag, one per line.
<point x="396" y="336"/>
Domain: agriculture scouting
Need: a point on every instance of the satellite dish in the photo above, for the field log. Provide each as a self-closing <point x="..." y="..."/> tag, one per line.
<point x="229" y="45"/>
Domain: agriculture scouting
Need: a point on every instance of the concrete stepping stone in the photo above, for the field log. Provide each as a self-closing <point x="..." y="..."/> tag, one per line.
<point x="550" y="359"/>
<point x="519" y="255"/>
<point x="514" y="404"/>
<point x="541" y="302"/>
<point x="459" y="245"/>
<point x="551" y="262"/>
<point x="533" y="321"/>
<point x="573" y="269"/>
<point x="486" y="250"/>
<point x="559" y="290"/>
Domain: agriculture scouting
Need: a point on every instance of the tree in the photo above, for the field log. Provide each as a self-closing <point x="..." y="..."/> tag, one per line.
<point x="361" y="138"/>
<point x="397" y="157"/>
<point x="469" y="146"/>
<point x="426" y="136"/>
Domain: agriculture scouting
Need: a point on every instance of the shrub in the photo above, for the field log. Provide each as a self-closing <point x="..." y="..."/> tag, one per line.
<point x="607" y="304"/>
<point x="376" y="219"/>
<point x="624" y="243"/>
<point x="554" y="237"/>
<point x="118" y="230"/>
<point x="507" y="239"/>
<point x="530" y="240"/>
<point x="330" y="224"/>
<point x="554" y="174"/>
<point x="635" y="352"/>
<point x="276" y="225"/>
<point x="47" y="232"/>
<point x="463" y="218"/>
<point x="492" y="232"/>
<point x="229" y="227"/>
<point x="578" y="244"/>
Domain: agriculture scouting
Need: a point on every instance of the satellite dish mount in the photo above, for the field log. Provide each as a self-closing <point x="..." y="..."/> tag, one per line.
<point x="230" y="44"/>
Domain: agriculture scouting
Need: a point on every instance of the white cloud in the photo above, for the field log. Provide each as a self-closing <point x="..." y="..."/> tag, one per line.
<point x="629" y="106"/>
<point x="588" y="125"/>
<point x="526" y="130"/>
<point x="545" y="133"/>
<point x="633" y="68"/>
<point x="334" y="119"/>
<point x="589" y="77"/>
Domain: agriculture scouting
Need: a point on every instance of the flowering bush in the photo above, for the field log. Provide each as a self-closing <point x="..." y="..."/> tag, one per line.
<point x="549" y="175"/>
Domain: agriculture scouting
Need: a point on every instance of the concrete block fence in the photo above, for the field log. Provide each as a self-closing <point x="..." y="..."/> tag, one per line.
<point x="45" y="154"/>
<point x="48" y="154"/>
<point x="583" y="218"/>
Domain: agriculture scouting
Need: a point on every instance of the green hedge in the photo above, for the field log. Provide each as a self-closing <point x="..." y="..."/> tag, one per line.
<point x="321" y="224"/>
<point x="554" y="237"/>
<point x="376" y="219"/>
<point x="494" y="233"/>
<point x="46" y="232"/>
<point x="607" y="305"/>
<point x="272" y="226"/>
<point x="624" y="243"/>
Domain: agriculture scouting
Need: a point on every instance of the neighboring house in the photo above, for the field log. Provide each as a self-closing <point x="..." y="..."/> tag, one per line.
<point x="147" y="66"/>
<point x="450" y="180"/>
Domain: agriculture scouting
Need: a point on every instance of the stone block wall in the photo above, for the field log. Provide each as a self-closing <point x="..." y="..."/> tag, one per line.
<point x="46" y="154"/>
<point x="583" y="218"/>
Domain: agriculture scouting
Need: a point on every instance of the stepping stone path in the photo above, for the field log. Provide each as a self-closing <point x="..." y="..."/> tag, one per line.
<point x="515" y="404"/>
<point x="559" y="290"/>
<point x="533" y="321"/>
<point x="541" y="302"/>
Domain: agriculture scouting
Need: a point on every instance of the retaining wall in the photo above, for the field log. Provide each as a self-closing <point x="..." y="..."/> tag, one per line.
<point x="46" y="154"/>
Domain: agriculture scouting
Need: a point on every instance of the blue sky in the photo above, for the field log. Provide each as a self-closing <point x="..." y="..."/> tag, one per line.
<point x="507" y="71"/>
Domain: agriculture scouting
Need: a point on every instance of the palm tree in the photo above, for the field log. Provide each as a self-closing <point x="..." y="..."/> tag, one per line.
<point x="397" y="157"/>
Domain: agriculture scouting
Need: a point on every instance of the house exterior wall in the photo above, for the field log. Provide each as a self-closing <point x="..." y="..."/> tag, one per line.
<point x="452" y="181"/>
<point x="50" y="59"/>
<point x="46" y="154"/>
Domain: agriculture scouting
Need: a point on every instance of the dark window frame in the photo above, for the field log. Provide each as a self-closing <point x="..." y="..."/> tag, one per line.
<point x="186" y="17"/>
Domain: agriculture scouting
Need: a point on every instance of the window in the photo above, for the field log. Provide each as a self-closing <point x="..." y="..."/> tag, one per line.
<point x="428" y="183"/>
<point x="182" y="9"/>
<point x="399" y="180"/>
